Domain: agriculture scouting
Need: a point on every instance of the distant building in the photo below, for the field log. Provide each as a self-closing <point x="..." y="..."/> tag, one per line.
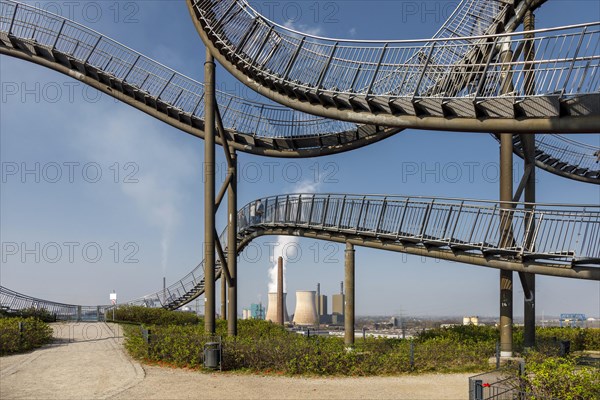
<point x="572" y="320"/>
<point x="337" y="304"/>
<point x="471" y="320"/>
<point x="322" y="305"/>
<point x="257" y="311"/>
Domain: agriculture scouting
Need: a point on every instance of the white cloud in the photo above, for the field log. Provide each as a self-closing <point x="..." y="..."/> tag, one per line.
<point x="287" y="246"/>
<point x="315" y="31"/>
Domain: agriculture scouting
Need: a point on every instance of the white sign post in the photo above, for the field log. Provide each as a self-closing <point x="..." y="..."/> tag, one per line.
<point x="113" y="301"/>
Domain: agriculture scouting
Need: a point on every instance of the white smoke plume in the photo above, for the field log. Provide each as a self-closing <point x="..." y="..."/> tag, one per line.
<point x="287" y="246"/>
<point x="144" y="152"/>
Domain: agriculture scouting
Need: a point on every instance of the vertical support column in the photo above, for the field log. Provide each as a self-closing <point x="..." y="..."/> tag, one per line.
<point x="506" y="277"/>
<point x="223" y="297"/>
<point x="280" y="315"/>
<point x="232" y="245"/>
<point x="209" y="194"/>
<point x="529" y="150"/>
<point x="349" y="303"/>
<point x="506" y="195"/>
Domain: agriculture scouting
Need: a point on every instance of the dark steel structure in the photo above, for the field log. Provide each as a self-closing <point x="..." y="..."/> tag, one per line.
<point x="475" y="74"/>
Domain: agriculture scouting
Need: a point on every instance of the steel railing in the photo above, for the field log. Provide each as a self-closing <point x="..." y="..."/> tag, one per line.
<point x="566" y="60"/>
<point x="562" y="232"/>
<point x="12" y="301"/>
<point x="565" y="233"/>
<point x="57" y="34"/>
<point x="260" y="120"/>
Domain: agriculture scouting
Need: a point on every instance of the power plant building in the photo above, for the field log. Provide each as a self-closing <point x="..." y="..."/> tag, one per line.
<point x="306" y="308"/>
<point x="257" y="311"/>
<point x="322" y="305"/>
<point x="272" y="308"/>
<point x="337" y="304"/>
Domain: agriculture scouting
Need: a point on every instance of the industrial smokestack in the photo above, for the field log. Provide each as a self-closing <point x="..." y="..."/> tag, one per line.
<point x="306" y="308"/>
<point x="342" y="287"/>
<point x="272" y="311"/>
<point x="318" y="299"/>
<point x="280" y="314"/>
<point x="164" y="289"/>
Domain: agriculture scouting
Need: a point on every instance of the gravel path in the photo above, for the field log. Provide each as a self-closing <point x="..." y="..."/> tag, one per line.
<point x="88" y="362"/>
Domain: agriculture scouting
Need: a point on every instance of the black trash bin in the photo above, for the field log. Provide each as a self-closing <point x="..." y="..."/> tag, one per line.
<point x="565" y="347"/>
<point x="212" y="355"/>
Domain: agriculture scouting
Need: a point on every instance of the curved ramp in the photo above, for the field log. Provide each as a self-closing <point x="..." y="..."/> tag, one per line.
<point x="266" y="129"/>
<point x="484" y="87"/>
<point x="564" y="157"/>
<point x="12" y="301"/>
<point x="554" y="240"/>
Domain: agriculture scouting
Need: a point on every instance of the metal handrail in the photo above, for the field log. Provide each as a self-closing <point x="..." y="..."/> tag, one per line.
<point x="59" y="34"/>
<point x="474" y="225"/>
<point x="14" y="302"/>
<point x="557" y="69"/>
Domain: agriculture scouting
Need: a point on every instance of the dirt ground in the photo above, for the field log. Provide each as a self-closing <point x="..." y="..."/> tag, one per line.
<point x="88" y="361"/>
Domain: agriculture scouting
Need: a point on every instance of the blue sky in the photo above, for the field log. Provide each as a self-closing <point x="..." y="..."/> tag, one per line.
<point x="144" y="213"/>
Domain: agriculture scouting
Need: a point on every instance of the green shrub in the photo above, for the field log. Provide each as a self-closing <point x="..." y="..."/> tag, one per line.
<point x="462" y="334"/>
<point x="152" y="316"/>
<point x="265" y="347"/>
<point x="35" y="334"/>
<point x="560" y="378"/>
<point x="39" y="313"/>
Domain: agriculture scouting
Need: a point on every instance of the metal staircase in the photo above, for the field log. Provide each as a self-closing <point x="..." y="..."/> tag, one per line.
<point x="445" y="83"/>
<point x="564" y="157"/>
<point x="448" y="82"/>
<point x="259" y="128"/>
<point x="555" y="240"/>
<point x="11" y="301"/>
<point x="267" y="129"/>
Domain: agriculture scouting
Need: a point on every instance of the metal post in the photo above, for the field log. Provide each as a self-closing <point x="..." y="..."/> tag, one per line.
<point x="506" y="196"/>
<point x="349" y="303"/>
<point x="506" y="277"/>
<point x="529" y="153"/>
<point x="223" y="296"/>
<point x="232" y="245"/>
<point x="280" y="315"/>
<point x="209" y="194"/>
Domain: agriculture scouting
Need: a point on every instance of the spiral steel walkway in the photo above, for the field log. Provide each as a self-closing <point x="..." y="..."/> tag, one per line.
<point x="564" y="157"/>
<point x="55" y="42"/>
<point x="448" y="83"/>
<point x="12" y="301"/>
<point x="266" y="129"/>
<point x="555" y="240"/>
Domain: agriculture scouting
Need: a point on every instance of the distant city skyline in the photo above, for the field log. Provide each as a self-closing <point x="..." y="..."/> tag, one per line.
<point x="98" y="196"/>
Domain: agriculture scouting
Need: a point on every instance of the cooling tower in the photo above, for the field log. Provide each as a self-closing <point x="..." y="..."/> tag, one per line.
<point x="272" y="308"/>
<point x="306" y="308"/>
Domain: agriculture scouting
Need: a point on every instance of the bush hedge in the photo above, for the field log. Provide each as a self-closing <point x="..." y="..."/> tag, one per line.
<point x="560" y="378"/>
<point x="35" y="333"/>
<point x="179" y="338"/>
<point x="264" y="347"/>
<point x="151" y="316"/>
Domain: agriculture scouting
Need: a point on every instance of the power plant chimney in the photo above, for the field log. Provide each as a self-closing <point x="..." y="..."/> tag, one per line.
<point x="342" y="287"/>
<point x="318" y="298"/>
<point x="280" y="313"/>
<point x="306" y="308"/>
